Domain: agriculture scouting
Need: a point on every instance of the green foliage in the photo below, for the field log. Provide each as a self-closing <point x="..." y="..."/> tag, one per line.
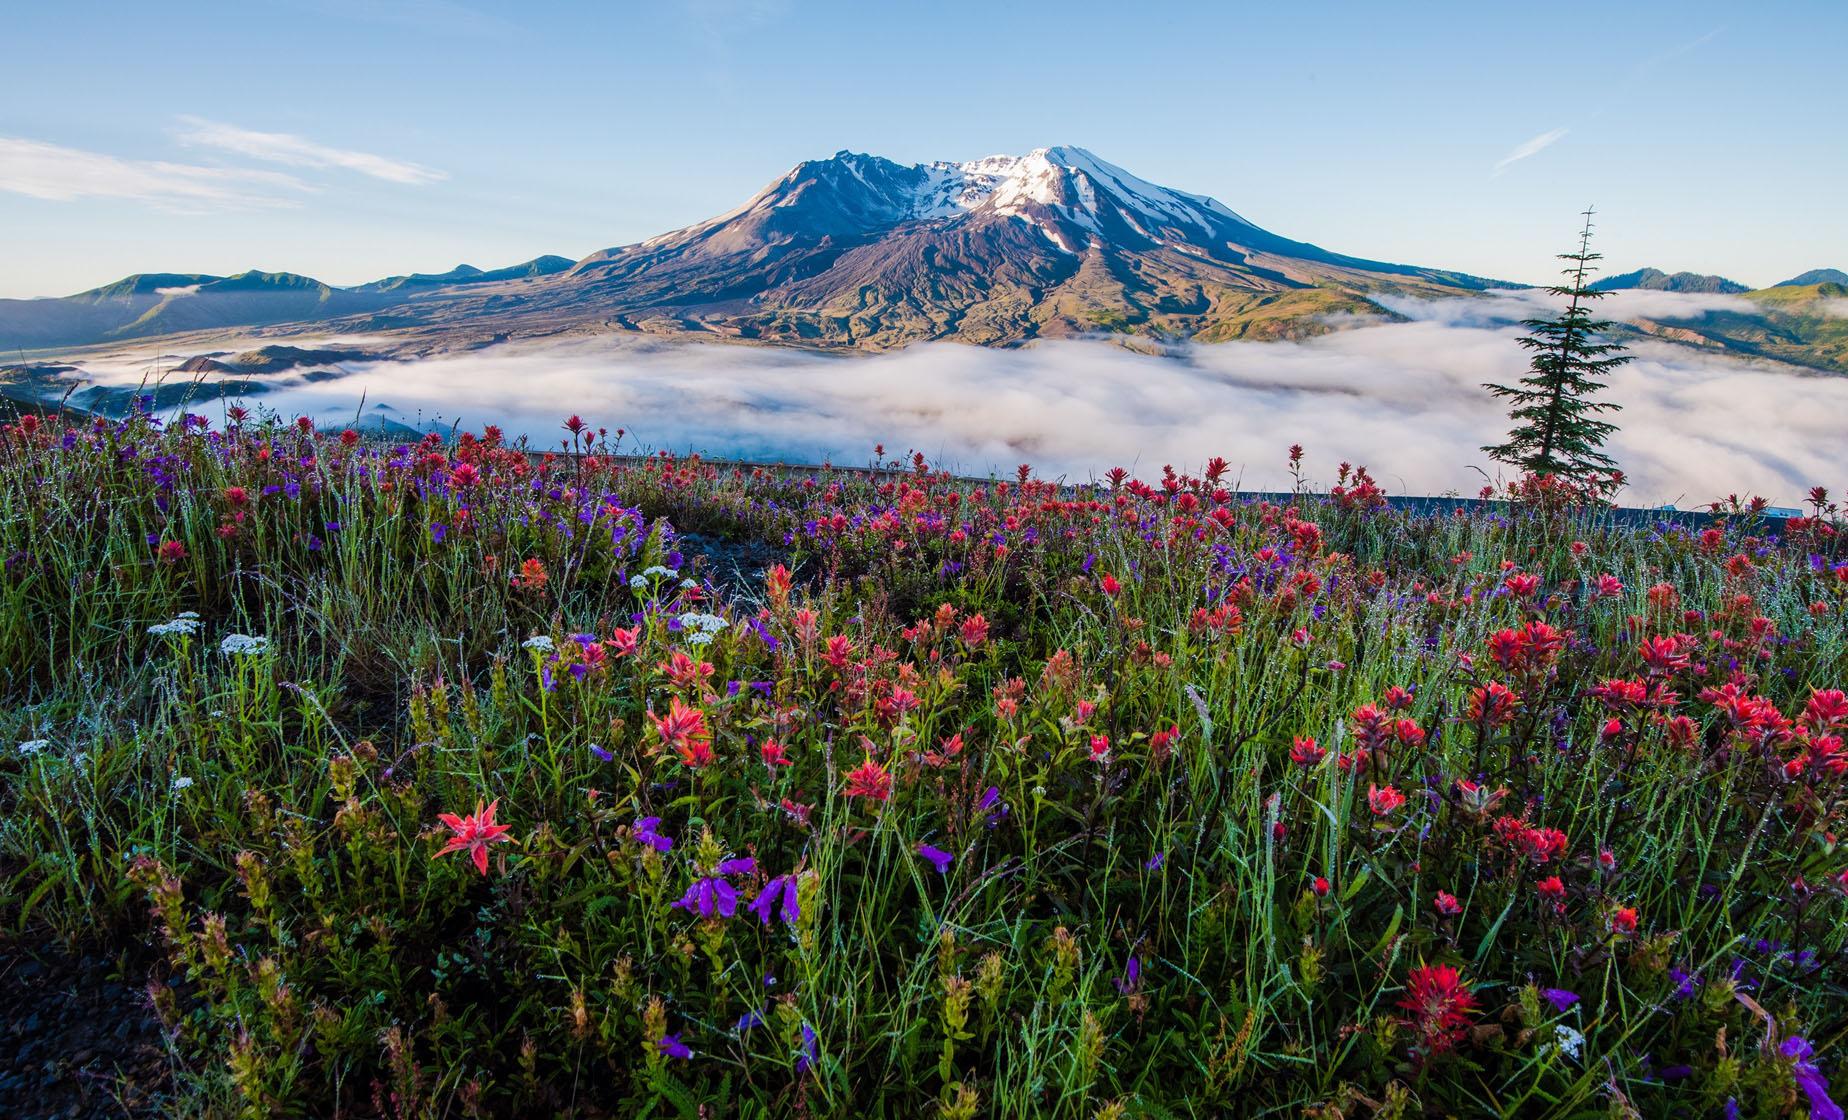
<point x="1160" y="896"/>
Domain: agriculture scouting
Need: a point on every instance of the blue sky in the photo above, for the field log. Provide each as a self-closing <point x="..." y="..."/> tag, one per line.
<point x="350" y="139"/>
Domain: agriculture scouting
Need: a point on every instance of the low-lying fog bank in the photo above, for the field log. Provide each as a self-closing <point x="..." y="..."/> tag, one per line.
<point x="1403" y="398"/>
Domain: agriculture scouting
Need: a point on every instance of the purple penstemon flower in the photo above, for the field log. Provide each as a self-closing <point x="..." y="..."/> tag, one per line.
<point x="1131" y="979"/>
<point x="778" y="895"/>
<point x="810" y="1052"/>
<point x="671" y="1046"/>
<point x="1559" y="998"/>
<point x="708" y="896"/>
<point x="645" y="832"/>
<point x="713" y="895"/>
<point x="938" y="858"/>
<point x="1810" y="1079"/>
<point x="603" y="755"/>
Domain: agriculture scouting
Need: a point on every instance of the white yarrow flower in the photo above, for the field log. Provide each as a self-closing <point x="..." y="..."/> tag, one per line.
<point x="235" y="645"/>
<point x="698" y="620"/>
<point x="182" y="782"/>
<point x="1568" y="1040"/>
<point x="538" y="643"/>
<point x="33" y="746"/>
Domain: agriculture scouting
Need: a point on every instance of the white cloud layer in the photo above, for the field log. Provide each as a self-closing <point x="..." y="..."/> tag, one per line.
<point x="1403" y="398"/>
<point x="61" y="174"/>
<point x="299" y="151"/>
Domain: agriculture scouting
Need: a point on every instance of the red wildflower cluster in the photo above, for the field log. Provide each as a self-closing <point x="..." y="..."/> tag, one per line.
<point x="1438" y="1006"/>
<point x="1532" y="648"/>
<point x="683" y="730"/>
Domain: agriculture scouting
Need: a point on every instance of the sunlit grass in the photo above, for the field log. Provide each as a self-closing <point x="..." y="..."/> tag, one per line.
<point x="1156" y="731"/>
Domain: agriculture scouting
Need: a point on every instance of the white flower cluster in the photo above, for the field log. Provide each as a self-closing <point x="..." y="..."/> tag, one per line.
<point x="640" y="582"/>
<point x="33" y="746"/>
<point x="702" y="628"/>
<point x="235" y="645"/>
<point x="538" y="643"/>
<point x="1568" y="1040"/>
<point x="184" y="623"/>
<point x="182" y="782"/>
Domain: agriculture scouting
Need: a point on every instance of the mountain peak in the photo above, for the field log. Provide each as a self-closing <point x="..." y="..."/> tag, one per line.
<point x="1066" y="192"/>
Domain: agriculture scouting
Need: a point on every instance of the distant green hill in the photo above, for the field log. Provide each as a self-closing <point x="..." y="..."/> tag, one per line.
<point x="158" y="303"/>
<point x="1655" y="280"/>
<point x="469" y="274"/>
<point x="1815" y="276"/>
<point x="1804" y="324"/>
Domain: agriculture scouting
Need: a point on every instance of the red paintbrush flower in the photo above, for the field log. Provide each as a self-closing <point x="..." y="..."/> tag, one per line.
<point x="1492" y="705"/>
<point x="684" y="729"/>
<point x="1304" y="752"/>
<point x="532" y="575"/>
<point x="974" y="630"/>
<point x="1438" y="1005"/>
<point x="474" y="833"/>
<point x="869" y="780"/>
<point x="1383" y="799"/>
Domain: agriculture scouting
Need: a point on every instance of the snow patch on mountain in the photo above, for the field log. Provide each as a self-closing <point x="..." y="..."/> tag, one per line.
<point x="1068" y="184"/>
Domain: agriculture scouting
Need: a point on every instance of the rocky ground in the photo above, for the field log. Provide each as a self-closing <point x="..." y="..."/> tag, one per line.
<point x="78" y="1038"/>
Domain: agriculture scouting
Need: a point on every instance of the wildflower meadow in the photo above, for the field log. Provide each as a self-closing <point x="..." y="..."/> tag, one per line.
<point x="452" y="780"/>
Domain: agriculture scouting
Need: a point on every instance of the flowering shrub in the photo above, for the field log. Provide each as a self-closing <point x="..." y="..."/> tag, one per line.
<point x="980" y="798"/>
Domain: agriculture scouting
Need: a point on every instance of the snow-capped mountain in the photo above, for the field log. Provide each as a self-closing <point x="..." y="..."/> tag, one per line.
<point x="856" y="250"/>
<point x="860" y="250"/>
<point x="1052" y="189"/>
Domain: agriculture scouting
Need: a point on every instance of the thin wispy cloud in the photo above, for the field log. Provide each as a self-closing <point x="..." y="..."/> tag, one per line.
<point x="1674" y="52"/>
<point x="61" y="174"/>
<point x="1528" y="148"/>
<point x="299" y="151"/>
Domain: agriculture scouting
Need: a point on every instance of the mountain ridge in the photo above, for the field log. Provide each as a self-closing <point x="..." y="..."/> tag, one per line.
<point x="1656" y="280"/>
<point x="151" y="304"/>
<point x="855" y="251"/>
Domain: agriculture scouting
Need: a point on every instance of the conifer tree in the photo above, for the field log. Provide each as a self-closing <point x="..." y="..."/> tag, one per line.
<point x="1556" y="431"/>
